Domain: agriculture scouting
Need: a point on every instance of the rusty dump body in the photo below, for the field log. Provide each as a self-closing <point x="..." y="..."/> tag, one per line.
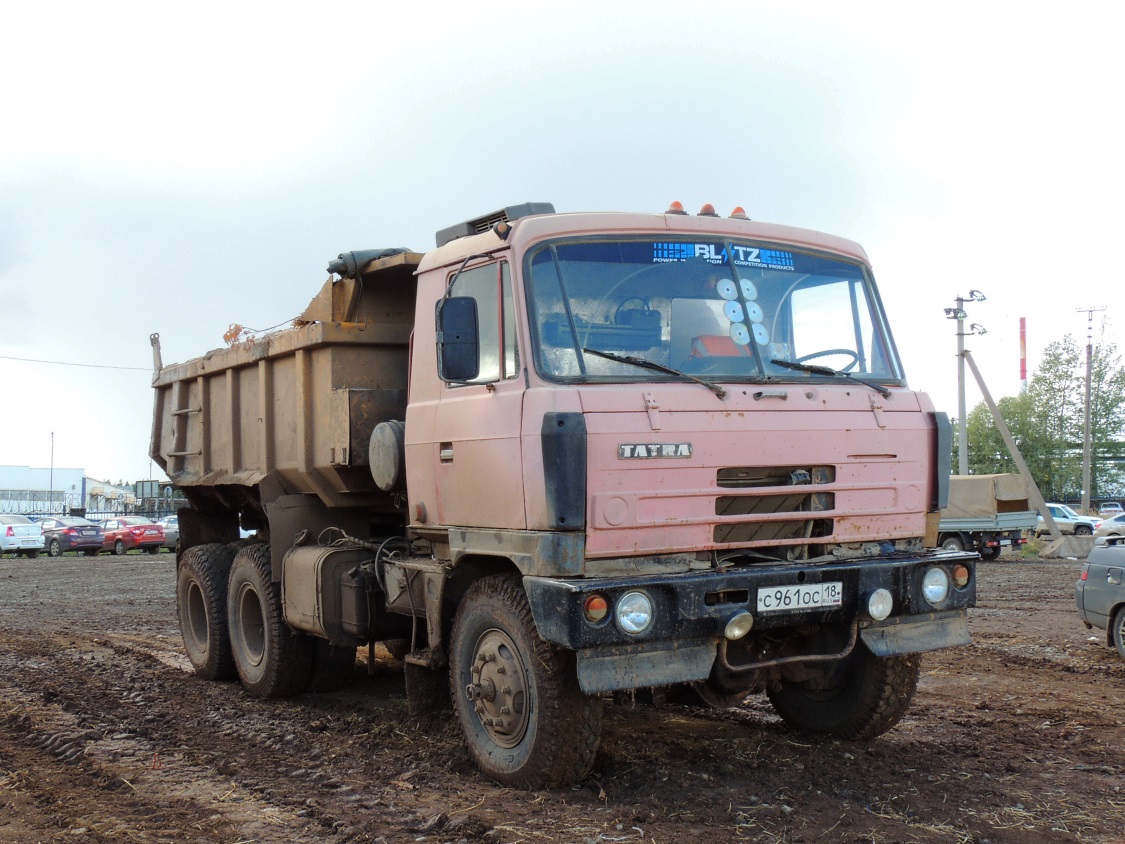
<point x="682" y="445"/>
<point x="293" y="411"/>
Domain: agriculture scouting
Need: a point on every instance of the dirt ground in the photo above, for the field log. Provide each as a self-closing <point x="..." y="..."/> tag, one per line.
<point x="105" y="736"/>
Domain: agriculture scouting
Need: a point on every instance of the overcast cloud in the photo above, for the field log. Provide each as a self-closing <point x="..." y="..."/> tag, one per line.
<point x="176" y="170"/>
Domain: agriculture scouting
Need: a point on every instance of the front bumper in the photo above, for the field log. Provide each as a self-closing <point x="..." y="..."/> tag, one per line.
<point x="691" y="610"/>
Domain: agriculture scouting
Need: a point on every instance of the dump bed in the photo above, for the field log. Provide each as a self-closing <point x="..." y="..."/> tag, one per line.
<point x="293" y="411"/>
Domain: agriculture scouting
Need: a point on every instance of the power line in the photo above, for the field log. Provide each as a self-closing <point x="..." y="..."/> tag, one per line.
<point x="68" y="363"/>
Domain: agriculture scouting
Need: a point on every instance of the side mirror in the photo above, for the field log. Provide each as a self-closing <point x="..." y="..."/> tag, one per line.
<point x="458" y="343"/>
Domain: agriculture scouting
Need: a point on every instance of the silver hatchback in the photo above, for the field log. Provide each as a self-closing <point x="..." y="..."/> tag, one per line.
<point x="1100" y="591"/>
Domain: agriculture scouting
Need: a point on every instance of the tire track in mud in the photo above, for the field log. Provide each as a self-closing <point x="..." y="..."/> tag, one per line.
<point x="153" y="743"/>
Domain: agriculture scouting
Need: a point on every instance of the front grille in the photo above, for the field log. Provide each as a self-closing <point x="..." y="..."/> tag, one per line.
<point x="782" y="503"/>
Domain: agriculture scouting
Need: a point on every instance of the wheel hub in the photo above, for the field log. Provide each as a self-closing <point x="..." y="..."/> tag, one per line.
<point x="498" y="691"/>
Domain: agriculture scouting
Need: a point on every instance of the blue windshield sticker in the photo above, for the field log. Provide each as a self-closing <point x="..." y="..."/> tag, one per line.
<point x="751" y="256"/>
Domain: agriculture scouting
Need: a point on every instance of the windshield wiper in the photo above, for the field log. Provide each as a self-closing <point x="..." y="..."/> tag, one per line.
<point x="812" y="369"/>
<point x="657" y="367"/>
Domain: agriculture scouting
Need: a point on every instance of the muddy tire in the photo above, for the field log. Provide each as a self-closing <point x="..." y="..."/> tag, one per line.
<point x="1117" y="631"/>
<point x="860" y="698"/>
<point x="332" y="667"/>
<point x="272" y="661"/>
<point x="201" y="606"/>
<point x="990" y="554"/>
<point x="523" y="716"/>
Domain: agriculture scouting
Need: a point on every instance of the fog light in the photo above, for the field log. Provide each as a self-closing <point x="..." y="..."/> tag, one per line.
<point x="634" y="612"/>
<point x="595" y="608"/>
<point x="738" y="626"/>
<point x="879" y="604"/>
<point x="960" y="576"/>
<point x="935" y="586"/>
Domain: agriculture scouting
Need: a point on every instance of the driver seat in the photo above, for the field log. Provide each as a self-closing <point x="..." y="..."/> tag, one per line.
<point x="717" y="346"/>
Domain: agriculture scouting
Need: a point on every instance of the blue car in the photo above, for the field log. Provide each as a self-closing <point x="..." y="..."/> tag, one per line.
<point x="1100" y="591"/>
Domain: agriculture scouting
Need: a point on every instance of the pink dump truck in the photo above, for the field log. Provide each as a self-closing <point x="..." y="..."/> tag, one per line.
<point x="564" y="455"/>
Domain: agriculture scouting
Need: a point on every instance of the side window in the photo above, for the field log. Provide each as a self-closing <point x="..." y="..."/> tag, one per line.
<point x="491" y="287"/>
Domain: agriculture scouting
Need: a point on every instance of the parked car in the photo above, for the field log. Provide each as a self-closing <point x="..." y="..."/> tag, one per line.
<point x="1099" y="593"/>
<point x="171" y="525"/>
<point x="1112" y="527"/>
<point x="1110" y="508"/>
<point x="1068" y="521"/>
<point x="21" y="535"/>
<point x="71" y="533"/>
<point x="125" y="533"/>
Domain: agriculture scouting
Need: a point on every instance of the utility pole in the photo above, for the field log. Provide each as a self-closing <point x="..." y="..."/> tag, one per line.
<point x="1086" y="429"/>
<point x="958" y="313"/>
<point x="51" y="494"/>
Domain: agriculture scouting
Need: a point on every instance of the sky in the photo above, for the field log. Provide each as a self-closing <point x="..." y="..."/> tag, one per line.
<point x="176" y="169"/>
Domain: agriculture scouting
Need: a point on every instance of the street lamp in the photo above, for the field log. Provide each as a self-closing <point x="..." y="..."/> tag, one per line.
<point x="958" y="313"/>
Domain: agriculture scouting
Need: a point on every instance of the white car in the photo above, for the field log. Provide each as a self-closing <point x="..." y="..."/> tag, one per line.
<point x="1068" y="522"/>
<point x="1112" y="527"/>
<point x="1110" y="508"/>
<point x="21" y="535"/>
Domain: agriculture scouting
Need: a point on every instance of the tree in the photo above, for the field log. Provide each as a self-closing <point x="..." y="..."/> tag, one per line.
<point x="1048" y="423"/>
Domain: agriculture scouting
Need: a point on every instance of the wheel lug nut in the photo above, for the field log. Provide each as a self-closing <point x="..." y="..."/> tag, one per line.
<point x="505" y="710"/>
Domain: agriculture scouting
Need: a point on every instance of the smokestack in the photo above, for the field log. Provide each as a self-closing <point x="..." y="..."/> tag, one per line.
<point x="1023" y="354"/>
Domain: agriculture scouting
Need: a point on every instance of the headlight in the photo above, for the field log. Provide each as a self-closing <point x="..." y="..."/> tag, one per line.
<point x="935" y="586"/>
<point x="879" y="604"/>
<point x="634" y="612"/>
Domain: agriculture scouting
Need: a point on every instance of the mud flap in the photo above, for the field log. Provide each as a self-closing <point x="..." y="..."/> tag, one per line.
<point x="611" y="669"/>
<point x="913" y="634"/>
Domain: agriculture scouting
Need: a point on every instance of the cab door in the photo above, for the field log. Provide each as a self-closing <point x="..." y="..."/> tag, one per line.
<point x="478" y="459"/>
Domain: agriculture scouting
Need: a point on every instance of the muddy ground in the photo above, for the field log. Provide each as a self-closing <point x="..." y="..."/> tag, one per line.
<point x="105" y="736"/>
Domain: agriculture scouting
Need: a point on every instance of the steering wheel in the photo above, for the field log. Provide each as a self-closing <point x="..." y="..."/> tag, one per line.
<point x="824" y="353"/>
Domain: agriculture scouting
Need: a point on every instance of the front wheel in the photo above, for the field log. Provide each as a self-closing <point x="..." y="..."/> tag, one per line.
<point x="1083" y="530"/>
<point x="525" y="721"/>
<point x="857" y="698"/>
<point x="1118" y="630"/>
<point x="271" y="659"/>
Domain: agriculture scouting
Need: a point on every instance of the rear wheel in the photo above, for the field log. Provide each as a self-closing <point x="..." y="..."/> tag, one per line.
<point x="201" y="604"/>
<point x="54" y="549"/>
<point x="155" y="549"/>
<point x="31" y="555"/>
<point x="525" y="721"/>
<point x="271" y="659"/>
<point x="990" y="553"/>
<point x="858" y="697"/>
<point x="952" y="543"/>
<point x="1118" y="631"/>
<point x="91" y="552"/>
<point x="118" y="548"/>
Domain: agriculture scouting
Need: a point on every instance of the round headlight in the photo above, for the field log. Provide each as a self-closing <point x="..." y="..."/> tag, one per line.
<point x="738" y="626"/>
<point x="879" y="604"/>
<point x="935" y="586"/>
<point x="634" y="612"/>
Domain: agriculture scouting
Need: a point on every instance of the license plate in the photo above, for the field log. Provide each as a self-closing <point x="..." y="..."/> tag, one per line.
<point x="150" y="533"/>
<point x="803" y="596"/>
<point x="88" y="533"/>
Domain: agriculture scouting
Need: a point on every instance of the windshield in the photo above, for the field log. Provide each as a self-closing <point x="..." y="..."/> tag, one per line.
<point x="689" y="306"/>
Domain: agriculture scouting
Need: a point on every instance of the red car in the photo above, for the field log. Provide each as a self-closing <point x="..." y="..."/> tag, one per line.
<point x="127" y="532"/>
